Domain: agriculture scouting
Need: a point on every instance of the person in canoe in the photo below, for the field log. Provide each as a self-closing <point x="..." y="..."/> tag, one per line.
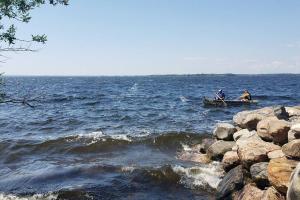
<point x="220" y="95"/>
<point x="246" y="96"/>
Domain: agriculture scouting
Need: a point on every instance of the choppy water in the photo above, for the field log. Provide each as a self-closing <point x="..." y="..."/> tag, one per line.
<point x="118" y="137"/>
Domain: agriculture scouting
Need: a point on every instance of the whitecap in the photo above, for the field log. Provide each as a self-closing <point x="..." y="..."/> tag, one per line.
<point x="33" y="197"/>
<point x="205" y="176"/>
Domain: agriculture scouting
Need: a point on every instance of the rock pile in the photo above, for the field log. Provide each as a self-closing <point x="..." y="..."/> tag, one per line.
<point x="260" y="152"/>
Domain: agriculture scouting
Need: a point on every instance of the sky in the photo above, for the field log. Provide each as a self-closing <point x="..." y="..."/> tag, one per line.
<point x="143" y="37"/>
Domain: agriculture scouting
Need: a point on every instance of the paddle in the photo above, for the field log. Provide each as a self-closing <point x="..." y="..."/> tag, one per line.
<point x="225" y="104"/>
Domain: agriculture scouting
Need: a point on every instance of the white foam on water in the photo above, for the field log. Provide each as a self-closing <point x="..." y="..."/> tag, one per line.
<point x="128" y="169"/>
<point x="121" y="137"/>
<point x="201" y="176"/>
<point x="183" y="99"/>
<point x="33" y="197"/>
<point x="186" y="147"/>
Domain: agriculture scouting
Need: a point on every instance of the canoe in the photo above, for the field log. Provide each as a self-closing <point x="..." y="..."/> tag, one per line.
<point x="220" y="103"/>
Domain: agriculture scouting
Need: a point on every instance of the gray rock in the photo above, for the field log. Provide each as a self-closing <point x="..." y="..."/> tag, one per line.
<point x="206" y="143"/>
<point x="224" y="131"/>
<point x="292" y="149"/>
<point x="218" y="149"/>
<point x="294" y="185"/>
<point x="243" y="133"/>
<point x="233" y="181"/>
<point x="259" y="173"/>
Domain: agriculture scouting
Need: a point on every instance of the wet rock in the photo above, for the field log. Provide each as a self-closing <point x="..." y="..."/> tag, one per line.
<point x="230" y="160"/>
<point x="275" y="154"/>
<point x="224" y="131"/>
<point x="279" y="172"/>
<point x="272" y="194"/>
<point x="218" y="149"/>
<point x="243" y="133"/>
<point x="249" y="119"/>
<point x="233" y="181"/>
<point x="250" y="192"/>
<point x="253" y="150"/>
<point x="292" y="149"/>
<point x="294" y="185"/>
<point x="206" y="143"/>
<point x="194" y="157"/>
<point x="294" y="132"/>
<point x="259" y="174"/>
<point x="272" y="129"/>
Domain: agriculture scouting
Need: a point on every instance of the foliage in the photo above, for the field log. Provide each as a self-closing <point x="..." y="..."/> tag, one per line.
<point x="19" y="11"/>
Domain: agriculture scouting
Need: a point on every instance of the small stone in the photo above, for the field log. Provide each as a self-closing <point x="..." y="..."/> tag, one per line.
<point x="206" y="143"/>
<point x="294" y="132"/>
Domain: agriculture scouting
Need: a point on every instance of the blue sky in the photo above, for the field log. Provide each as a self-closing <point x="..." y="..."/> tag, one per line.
<point x="140" y="37"/>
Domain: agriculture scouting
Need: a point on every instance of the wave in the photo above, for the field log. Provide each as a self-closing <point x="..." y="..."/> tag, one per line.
<point x="49" y="196"/>
<point x="204" y="177"/>
<point x="96" y="142"/>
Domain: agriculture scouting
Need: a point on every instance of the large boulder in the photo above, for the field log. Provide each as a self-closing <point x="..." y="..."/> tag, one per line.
<point x="224" y="131"/>
<point x="206" y="143"/>
<point x="243" y="133"/>
<point x="249" y="119"/>
<point x="218" y="149"/>
<point x="272" y="194"/>
<point x="230" y="160"/>
<point x="273" y="129"/>
<point x="233" y="181"/>
<point x="259" y="173"/>
<point x="294" y="132"/>
<point x="279" y="172"/>
<point x="253" y="150"/>
<point x="250" y="192"/>
<point x="292" y="149"/>
<point x="294" y="185"/>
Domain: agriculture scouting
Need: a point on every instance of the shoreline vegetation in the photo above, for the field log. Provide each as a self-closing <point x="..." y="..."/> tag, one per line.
<point x="259" y="152"/>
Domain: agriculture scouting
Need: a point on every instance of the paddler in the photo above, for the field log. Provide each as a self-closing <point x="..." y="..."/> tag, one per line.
<point x="246" y="96"/>
<point x="220" y="95"/>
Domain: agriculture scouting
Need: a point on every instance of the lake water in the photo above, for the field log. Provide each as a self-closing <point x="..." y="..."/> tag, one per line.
<point x="119" y="137"/>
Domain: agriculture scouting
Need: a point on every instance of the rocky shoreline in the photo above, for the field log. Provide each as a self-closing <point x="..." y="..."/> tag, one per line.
<point x="259" y="152"/>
